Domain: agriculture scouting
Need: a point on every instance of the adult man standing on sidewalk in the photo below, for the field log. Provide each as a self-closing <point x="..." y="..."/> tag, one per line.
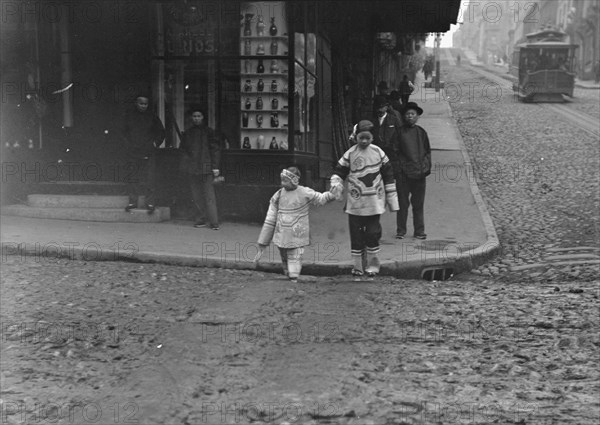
<point x="143" y="131"/>
<point x="414" y="156"/>
<point x="202" y="156"/>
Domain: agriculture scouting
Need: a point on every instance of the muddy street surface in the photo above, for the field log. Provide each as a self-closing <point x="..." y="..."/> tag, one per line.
<point x="152" y="344"/>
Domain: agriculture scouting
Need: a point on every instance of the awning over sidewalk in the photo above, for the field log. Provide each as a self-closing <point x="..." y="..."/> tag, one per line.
<point x="407" y="16"/>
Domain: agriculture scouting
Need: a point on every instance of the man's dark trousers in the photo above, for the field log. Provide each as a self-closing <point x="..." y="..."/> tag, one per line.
<point x="410" y="191"/>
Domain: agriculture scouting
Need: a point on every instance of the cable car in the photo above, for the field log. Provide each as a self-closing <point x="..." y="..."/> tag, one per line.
<point x="544" y="67"/>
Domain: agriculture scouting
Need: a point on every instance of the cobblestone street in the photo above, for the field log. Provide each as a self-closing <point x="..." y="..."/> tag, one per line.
<point x="162" y="344"/>
<point x="513" y="342"/>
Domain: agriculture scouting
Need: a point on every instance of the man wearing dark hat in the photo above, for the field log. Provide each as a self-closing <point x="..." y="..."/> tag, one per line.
<point x="202" y="156"/>
<point x="143" y="131"/>
<point x="386" y="128"/>
<point x="371" y="187"/>
<point x="414" y="157"/>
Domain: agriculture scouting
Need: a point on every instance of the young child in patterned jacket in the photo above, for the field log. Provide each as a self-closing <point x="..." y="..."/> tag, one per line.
<point x="371" y="187"/>
<point x="287" y="223"/>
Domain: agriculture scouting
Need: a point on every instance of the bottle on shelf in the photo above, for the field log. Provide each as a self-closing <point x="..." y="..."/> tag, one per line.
<point x="247" y="48"/>
<point x="259" y="103"/>
<point x="274" y="104"/>
<point x="274" y="47"/>
<point x="248" y="105"/>
<point x="275" y="120"/>
<point x="260" y="26"/>
<point x="274" y="66"/>
<point x="260" y="50"/>
<point x="248" y="86"/>
<point x="246" y="143"/>
<point x="273" y="144"/>
<point x="274" y="86"/>
<point x="261" y="85"/>
<point x="247" y="23"/>
<point x="247" y="66"/>
<point x="273" y="27"/>
<point x="260" y="142"/>
<point x="245" y="119"/>
<point x="259" y="120"/>
<point x="260" y="68"/>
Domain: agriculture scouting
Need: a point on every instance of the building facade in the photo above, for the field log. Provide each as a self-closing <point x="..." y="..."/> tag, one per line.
<point x="281" y="82"/>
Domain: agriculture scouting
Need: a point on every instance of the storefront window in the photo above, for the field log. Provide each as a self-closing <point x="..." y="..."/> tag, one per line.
<point x="263" y="82"/>
<point x="305" y="66"/>
<point x="232" y="59"/>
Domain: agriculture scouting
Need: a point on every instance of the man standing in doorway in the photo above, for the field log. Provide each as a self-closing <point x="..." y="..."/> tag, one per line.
<point x="143" y="132"/>
<point x="202" y="156"/>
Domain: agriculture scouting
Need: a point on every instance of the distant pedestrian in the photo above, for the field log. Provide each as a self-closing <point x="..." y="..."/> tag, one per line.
<point x="458" y="59"/>
<point x="287" y="221"/>
<point x="143" y="132"/>
<point x="200" y="162"/>
<point x="414" y="155"/>
<point x="382" y="89"/>
<point x="406" y="88"/>
<point x="370" y="188"/>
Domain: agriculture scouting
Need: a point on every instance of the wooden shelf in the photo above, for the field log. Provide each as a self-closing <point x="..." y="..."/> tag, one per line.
<point x="267" y="74"/>
<point x="265" y="128"/>
<point x="263" y="37"/>
<point x="265" y="110"/>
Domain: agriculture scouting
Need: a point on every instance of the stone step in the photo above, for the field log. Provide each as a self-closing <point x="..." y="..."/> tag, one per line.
<point x="77" y="201"/>
<point x="89" y="214"/>
<point x="77" y="187"/>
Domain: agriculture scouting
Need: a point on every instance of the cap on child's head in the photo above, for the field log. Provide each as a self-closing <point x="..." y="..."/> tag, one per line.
<point x="364" y="125"/>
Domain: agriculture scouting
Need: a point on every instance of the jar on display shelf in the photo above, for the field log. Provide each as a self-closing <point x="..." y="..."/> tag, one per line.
<point x="246" y="143"/>
<point x="274" y="103"/>
<point x="274" y="86"/>
<point x="247" y="25"/>
<point x="260" y="68"/>
<point x="260" y="142"/>
<point x="247" y="48"/>
<point x="275" y="120"/>
<point x="247" y="66"/>
<point x="273" y="27"/>
<point x="245" y="119"/>
<point x="260" y="50"/>
<point x="274" y="66"/>
<point x="261" y="85"/>
<point x="260" y="26"/>
<point x="259" y="103"/>
<point x="274" y="47"/>
<point x="283" y="144"/>
<point x="248" y="86"/>
<point x="259" y="120"/>
<point x="273" y="144"/>
<point x="248" y="104"/>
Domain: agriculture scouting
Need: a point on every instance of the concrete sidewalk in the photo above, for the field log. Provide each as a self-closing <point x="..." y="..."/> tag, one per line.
<point x="460" y="232"/>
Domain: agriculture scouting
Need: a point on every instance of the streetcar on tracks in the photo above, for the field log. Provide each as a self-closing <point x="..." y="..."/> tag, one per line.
<point x="544" y="67"/>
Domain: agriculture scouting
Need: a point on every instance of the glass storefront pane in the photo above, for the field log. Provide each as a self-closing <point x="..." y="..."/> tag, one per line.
<point x="263" y="81"/>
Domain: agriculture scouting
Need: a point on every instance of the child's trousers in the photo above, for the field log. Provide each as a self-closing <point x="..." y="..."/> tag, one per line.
<point x="291" y="259"/>
<point x="365" y="233"/>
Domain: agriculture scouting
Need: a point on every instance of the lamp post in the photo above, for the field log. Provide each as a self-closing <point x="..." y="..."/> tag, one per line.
<point x="438" y="40"/>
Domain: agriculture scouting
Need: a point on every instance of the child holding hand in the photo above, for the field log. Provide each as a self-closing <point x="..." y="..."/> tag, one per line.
<point x="287" y="223"/>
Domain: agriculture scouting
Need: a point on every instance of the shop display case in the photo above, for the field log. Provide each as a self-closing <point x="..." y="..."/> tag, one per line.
<point x="264" y="70"/>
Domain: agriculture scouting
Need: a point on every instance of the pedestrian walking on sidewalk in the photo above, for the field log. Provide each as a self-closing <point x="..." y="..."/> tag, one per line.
<point x="414" y="155"/>
<point x="200" y="162"/>
<point x="142" y="132"/>
<point x="406" y="88"/>
<point x="370" y="188"/>
<point x="287" y="222"/>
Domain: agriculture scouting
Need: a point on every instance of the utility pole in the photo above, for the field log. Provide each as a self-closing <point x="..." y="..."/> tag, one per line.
<point x="436" y="45"/>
